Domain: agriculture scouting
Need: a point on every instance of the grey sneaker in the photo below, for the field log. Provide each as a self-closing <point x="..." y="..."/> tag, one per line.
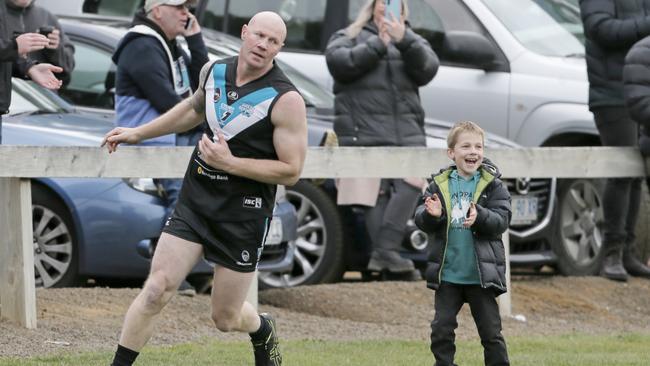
<point x="267" y="351"/>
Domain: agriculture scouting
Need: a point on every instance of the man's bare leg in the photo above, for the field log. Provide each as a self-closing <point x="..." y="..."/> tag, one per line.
<point x="173" y="259"/>
<point x="231" y="312"/>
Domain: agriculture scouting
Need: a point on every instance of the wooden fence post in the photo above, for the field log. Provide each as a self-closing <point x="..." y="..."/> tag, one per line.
<point x="17" y="290"/>
<point x="505" y="303"/>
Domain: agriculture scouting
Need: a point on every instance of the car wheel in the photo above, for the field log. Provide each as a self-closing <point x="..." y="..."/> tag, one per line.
<point x="318" y="254"/>
<point x="55" y="245"/>
<point x="578" y="244"/>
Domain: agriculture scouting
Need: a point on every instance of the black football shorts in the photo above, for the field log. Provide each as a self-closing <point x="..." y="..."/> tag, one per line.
<point x="235" y="245"/>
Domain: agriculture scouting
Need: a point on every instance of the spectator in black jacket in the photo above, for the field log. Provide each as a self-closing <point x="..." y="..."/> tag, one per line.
<point x="636" y="88"/>
<point x="378" y="65"/>
<point x="611" y="27"/>
<point x="23" y="16"/>
<point x="12" y="60"/>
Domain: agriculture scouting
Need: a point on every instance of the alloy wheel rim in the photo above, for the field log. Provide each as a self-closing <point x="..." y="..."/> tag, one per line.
<point x="52" y="246"/>
<point x="309" y="245"/>
<point x="581" y="214"/>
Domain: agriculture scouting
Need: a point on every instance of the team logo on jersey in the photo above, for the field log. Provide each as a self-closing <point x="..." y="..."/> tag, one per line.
<point x="225" y="111"/>
<point x="246" y="109"/>
<point x="252" y="202"/>
<point x="232" y="95"/>
<point x="217" y="94"/>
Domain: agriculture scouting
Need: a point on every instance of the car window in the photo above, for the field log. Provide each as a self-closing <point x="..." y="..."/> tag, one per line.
<point x="566" y="13"/>
<point x="20" y="104"/>
<point x="535" y="29"/>
<point x="90" y="85"/>
<point x="304" y="19"/>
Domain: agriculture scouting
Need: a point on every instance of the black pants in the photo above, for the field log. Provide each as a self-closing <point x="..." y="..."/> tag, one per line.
<point x="448" y="301"/>
<point x="622" y="195"/>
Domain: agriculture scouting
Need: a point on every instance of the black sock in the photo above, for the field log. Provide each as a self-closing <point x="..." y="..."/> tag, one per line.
<point x="261" y="333"/>
<point x="124" y="356"/>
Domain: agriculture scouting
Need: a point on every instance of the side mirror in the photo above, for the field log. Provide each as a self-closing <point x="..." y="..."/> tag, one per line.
<point x="469" y="48"/>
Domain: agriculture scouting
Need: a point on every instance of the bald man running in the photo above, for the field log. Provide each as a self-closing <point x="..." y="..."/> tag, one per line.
<point x="257" y="138"/>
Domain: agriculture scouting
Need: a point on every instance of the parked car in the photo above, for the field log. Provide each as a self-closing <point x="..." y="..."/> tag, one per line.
<point x="101" y="228"/>
<point x="515" y="67"/>
<point x="330" y="239"/>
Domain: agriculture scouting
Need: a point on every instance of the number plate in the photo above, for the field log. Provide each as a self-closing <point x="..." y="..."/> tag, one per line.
<point x="524" y="210"/>
<point x="274" y="235"/>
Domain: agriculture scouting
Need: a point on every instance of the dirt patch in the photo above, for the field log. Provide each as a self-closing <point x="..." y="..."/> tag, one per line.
<point x="90" y="318"/>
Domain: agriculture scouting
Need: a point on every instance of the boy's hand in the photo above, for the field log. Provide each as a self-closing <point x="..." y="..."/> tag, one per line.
<point x="433" y="205"/>
<point x="471" y="215"/>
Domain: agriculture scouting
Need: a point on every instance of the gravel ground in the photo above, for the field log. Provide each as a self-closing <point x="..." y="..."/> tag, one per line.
<point x="90" y="318"/>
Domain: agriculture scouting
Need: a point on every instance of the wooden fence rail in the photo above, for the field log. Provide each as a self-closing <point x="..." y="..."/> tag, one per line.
<point x="19" y="163"/>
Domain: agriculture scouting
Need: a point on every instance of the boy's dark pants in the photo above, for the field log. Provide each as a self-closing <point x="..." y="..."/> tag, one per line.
<point x="449" y="299"/>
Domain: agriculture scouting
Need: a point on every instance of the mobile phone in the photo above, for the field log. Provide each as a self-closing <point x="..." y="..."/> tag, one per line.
<point x="45" y="30"/>
<point x="394" y="8"/>
<point x="188" y="23"/>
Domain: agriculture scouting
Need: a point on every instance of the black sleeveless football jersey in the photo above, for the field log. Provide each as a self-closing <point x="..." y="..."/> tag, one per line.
<point x="243" y="115"/>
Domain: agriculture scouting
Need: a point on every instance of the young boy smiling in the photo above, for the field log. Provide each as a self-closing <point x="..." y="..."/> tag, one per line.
<point x="466" y="209"/>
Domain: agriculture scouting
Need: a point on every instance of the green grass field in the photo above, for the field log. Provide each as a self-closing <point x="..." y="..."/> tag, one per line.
<point x="570" y="350"/>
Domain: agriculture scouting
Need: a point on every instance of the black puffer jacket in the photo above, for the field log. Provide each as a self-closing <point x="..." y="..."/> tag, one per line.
<point x="377" y="100"/>
<point x="636" y="82"/>
<point x="493" y="217"/>
<point x="8" y="53"/>
<point x="611" y="28"/>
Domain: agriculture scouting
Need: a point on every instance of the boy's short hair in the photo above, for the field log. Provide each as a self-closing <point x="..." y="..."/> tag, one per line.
<point x="464" y="126"/>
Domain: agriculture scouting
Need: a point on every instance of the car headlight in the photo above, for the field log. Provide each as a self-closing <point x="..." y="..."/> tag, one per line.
<point x="145" y="185"/>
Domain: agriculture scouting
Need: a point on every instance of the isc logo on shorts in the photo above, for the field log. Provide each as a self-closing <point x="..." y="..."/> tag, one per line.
<point x="252" y="202"/>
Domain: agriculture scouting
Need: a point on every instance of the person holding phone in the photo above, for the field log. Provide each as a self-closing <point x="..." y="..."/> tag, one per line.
<point x="23" y="16"/>
<point x="378" y="64"/>
<point x="154" y="74"/>
<point x="13" y="61"/>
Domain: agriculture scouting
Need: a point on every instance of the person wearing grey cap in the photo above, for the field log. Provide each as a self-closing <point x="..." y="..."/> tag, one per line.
<point x="145" y="90"/>
<point x="256" y="138"/>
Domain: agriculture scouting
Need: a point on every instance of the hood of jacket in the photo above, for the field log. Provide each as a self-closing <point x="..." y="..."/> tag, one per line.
<point x="140" y="18"/>
<point x="486" y="165"/>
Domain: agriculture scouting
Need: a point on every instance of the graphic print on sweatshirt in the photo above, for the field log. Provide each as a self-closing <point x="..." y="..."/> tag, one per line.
<point x="233" y="115"/>
<point x="459" y="208"/>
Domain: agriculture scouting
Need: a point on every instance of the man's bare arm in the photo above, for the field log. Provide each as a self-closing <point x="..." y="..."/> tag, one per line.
<point x="178" y="119"/>
<point x="289" y="139"/>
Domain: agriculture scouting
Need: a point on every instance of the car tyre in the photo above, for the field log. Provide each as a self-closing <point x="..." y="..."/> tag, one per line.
<point x="319" y="245"/>
<point x="578" y="240"/>
<point x="56" y="250"/>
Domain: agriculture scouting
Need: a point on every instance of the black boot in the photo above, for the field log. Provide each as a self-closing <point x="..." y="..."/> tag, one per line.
<point x="389" y="260"/>
<point x="612" y="267"/>
<point x="632" y="264"/>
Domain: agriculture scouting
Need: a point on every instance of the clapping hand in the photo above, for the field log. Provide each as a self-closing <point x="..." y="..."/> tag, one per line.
<point x="433" y="205"/>
<point x="471" y="215"/>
